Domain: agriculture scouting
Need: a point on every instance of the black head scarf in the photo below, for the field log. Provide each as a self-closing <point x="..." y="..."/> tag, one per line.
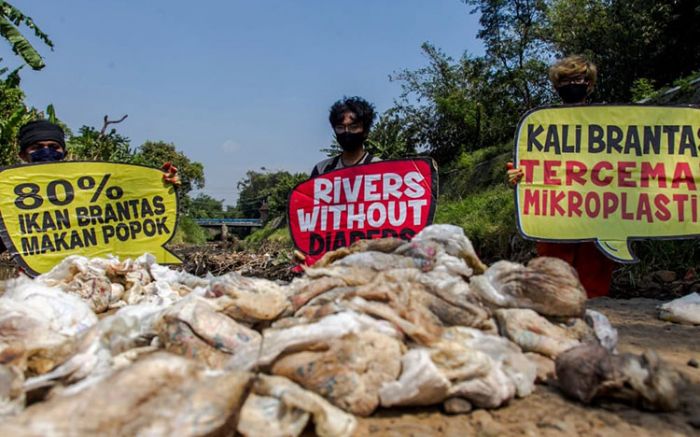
<point x="40" y="130"/>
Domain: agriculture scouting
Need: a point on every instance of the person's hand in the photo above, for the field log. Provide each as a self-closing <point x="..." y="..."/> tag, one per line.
<point x="514" y="174"/>
<point x="170" y="174"/>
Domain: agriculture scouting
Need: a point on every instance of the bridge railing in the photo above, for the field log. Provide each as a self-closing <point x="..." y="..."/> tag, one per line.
<point x="228" y="222"/>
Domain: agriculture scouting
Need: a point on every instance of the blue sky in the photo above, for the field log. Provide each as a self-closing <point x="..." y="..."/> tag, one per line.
<point x="236" y="85"/>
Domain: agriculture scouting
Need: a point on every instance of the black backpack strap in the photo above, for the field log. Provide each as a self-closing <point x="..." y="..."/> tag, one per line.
<point x="368" y="158"/>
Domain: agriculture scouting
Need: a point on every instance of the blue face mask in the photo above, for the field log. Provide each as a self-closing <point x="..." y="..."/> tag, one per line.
<point x="46" y="154"/>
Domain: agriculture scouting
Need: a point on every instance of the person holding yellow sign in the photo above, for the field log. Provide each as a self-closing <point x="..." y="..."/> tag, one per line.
<point x="574" y="79"/>
<point x="43" y="141"/>
<point x="52" y="209"/>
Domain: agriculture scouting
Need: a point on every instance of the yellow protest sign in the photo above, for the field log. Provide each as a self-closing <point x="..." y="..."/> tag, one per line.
<point x="52" y="210"/>
<point x="610" y="174"/>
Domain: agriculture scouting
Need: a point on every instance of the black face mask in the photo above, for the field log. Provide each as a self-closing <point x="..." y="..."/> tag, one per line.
<point x="350" y="142"/>
<point x="46" y="155"/>
<point x="573" y="92"/>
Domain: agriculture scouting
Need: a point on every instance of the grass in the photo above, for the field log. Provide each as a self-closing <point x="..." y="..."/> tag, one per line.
<point x="189" y="232"/>
<point x="279" y="235"/>
<point x="488" y="219"/>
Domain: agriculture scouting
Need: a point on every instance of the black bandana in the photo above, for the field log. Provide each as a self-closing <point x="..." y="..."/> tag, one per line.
<point x="40" y="130"/>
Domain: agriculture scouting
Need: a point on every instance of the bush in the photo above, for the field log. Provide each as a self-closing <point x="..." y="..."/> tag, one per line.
<point x="188" y="231"/>
<point x="475" y="171"/>
<point x="488" y="219"/>
<point x="269" y="233"/>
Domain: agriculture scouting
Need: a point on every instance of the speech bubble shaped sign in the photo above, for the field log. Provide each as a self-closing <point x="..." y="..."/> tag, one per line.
<point x="52" y="210"/>
<point x="609" y="173"/>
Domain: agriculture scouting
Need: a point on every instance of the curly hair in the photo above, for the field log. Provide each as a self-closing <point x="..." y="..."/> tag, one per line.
<point x="571" y="66"/>
<point x="357" y="105"/>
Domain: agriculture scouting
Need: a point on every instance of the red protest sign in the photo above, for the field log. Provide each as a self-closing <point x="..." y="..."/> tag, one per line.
<point x="383" y="199"/>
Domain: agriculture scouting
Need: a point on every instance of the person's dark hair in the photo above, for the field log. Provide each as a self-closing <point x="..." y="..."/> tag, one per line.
<point x="357" y="105"/>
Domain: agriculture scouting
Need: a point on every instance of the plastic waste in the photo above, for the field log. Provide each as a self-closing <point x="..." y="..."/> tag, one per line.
<point x="684" y="310"/>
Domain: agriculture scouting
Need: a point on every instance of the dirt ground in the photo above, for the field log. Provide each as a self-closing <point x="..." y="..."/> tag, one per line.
<point x="547" y="413"/>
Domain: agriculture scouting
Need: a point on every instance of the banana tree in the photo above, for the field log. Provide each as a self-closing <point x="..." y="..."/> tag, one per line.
<point x="10" y="19"/>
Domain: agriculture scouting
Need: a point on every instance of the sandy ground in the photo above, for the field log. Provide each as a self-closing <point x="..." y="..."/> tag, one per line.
<point x="547" y="413"/>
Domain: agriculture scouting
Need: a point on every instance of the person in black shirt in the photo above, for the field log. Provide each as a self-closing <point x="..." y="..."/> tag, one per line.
<point x="351" y="119"/>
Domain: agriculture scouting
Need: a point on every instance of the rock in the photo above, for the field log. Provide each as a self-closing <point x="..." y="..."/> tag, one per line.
<point x="591" y="372"/>
<point x="665" y="276"/>
<point x="457" y="406"/>
<point x="693" y="363"/>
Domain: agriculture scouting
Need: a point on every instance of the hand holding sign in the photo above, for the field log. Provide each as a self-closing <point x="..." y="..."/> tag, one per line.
<point x="382" y="199"/>
<point x="50" y="211"/>
<point x="609" y="174"/>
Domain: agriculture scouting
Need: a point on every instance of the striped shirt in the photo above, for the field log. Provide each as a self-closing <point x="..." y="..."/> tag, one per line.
<point x="335" y="163"/>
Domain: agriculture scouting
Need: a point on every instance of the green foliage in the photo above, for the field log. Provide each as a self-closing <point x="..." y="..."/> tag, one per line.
<point x="629" y="40"/>
<point x="270" y="187"/>
<point x="271" y="234"/>
<point x="10" y="19"/>
<point x="512" y="31"/>
<point x="156" y="153"/>
<point x="388" y="140"/>
<point x="93" y="145"/>
<point x="205" y="206"/>
<point x="450" y="107"/>
<point x="474" y="171"/>
<point x="642" y="88"/>
<point x="487" y="217"/>
<point x="188" y="231"/>
<point x="13" y="114"/>
<point x="674" y="255"/>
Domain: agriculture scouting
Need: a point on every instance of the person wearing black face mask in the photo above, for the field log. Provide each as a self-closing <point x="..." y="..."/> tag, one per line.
<point x="41" y="141"/>
<point x="351" y="120"/>
<point x="574" y="79"/>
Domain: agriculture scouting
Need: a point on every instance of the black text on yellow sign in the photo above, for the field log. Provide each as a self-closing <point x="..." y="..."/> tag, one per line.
<point x="51" y="211"/>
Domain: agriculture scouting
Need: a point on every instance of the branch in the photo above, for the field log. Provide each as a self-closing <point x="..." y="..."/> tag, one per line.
<point x="108" y="122"/>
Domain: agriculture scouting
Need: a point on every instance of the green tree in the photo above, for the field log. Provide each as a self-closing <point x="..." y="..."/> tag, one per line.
<point x="10" y="19"/>
<point x="388" y="139"/>
<point x="512" y="31"/>
<point x="13" y="114"/>
<point x="94" y="145"/>
<point x="205" y="206"/>
<point x="156" y="153"/>
<point x="658" y="41"/>
<point x="272" y="188"/>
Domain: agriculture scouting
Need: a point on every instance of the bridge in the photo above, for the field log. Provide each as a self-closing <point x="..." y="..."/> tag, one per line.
<point x="219" y="227"/>
<point x="231" y="222"/>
